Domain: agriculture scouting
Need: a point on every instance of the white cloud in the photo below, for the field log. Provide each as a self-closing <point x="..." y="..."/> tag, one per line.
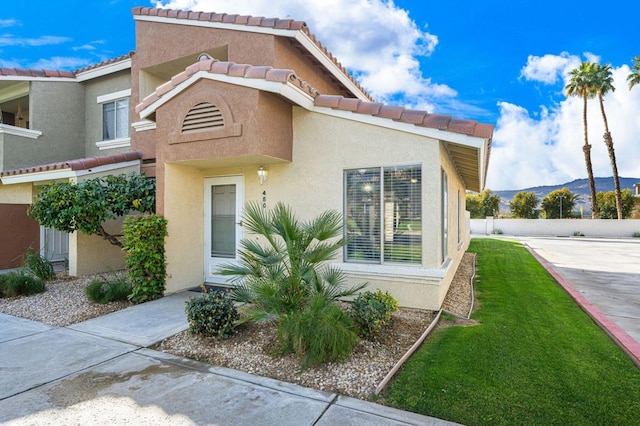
<point x="375" y="39"/>
<point x="10" y="40"/>
<point x="8" y="63"/>
<point x="8" y="22"/>
<point x="84" y="47"/>
<point x="60" y="63"/>
<point x="549" y="68"/>
<point x="548" y="150"/>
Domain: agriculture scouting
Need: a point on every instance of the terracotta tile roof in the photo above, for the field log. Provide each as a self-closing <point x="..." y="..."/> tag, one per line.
<point x="255" y="21"/>
<point x="18" y="72"/>
<point x="376" y="109"/>
<point x="419" y="118"/>
<point x="230" y="69"/>
<point x="107" y="62"/>
<point x="80" y="164"/>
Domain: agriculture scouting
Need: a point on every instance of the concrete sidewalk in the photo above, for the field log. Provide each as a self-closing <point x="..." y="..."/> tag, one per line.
<point x="101" y="372"/>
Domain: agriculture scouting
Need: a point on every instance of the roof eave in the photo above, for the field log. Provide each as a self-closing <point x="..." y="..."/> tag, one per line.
<point x="104" y="70"/>
<point x="287" y="90"/>
<point x="65" y="173"/>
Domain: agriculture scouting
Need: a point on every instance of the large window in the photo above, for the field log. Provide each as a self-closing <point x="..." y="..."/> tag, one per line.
<point x="115" y="119"/>
<point x="383" y="210"/>
<point x="445" y="215"/>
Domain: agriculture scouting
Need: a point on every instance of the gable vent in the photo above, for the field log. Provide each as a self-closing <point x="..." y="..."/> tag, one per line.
<point x="204" y="116"/>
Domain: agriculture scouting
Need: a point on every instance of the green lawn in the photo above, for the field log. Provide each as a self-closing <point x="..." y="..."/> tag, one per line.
<point x="534" y="358"/>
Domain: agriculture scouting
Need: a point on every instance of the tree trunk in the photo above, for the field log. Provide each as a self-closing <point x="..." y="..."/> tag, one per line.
<point x="113" y="239"/>
<point x="587" y="159"/>
<point x="608" y="141"/>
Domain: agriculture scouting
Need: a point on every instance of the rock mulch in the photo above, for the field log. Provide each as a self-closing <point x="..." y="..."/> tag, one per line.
<point x="250" y="350"/>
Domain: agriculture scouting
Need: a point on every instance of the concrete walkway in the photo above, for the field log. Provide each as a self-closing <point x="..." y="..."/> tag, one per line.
<point x="102" y="372"/>
<point x="603" y="276"/>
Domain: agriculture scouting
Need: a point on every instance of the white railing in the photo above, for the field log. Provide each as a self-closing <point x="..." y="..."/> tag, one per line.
<point x="7" y="129"/>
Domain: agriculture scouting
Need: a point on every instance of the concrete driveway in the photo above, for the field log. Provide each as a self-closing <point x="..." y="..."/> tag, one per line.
<point x="605" y="271"/>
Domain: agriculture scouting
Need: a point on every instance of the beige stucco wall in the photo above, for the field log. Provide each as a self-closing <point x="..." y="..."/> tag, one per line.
<point x="323" y="148"/>
<point x="91" y="254"/>
<point x="184" y="211"/>
<point x="16" y="194"/>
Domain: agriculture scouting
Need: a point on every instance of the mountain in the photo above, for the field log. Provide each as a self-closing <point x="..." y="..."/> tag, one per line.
<point x="578" y="186"/>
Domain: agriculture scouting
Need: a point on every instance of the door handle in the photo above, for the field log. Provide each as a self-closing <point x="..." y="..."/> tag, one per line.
<point x="240" y="223"/>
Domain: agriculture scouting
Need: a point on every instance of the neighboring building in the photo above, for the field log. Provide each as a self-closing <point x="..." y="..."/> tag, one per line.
<point x="231" y="109"/>
<point x="48" y="119"/>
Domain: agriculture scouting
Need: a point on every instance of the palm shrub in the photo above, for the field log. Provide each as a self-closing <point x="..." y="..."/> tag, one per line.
<point x="278" y="280"/>
<point x="318" y="333"/>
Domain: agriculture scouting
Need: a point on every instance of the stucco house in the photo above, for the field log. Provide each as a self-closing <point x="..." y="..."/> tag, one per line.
<point x="229" y="109"/>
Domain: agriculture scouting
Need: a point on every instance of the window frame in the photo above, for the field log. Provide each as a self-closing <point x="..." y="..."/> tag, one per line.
<point x="380" y="256"/>
<point x="444" y="211"/>
<point x="118" y="141"/>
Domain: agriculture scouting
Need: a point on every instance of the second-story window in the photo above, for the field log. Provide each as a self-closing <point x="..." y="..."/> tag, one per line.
<point x="115" y="119"/>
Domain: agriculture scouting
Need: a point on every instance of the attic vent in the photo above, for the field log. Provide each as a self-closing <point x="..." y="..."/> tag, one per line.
<point x="204" y="116"/>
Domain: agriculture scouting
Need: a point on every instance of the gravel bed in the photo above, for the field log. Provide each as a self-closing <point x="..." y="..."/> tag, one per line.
<point x="249" y="350"/>
<point x="63" y="303"/>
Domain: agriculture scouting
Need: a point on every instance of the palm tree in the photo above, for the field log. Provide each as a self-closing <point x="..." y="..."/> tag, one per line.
<point x="603" y="84"/>
<point x="580" y="85"/>
<point x="634" y="77"/>
<point x="292" y="267"/>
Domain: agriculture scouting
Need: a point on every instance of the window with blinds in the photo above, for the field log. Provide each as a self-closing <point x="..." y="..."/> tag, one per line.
<point x="383" y="210"/>
<point x="115" y="119"/>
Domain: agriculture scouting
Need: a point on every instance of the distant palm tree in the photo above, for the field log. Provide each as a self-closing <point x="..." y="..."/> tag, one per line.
<point x="603" y="84"/>
<point x="634" y="77"/>
<point x="580" y="85"/>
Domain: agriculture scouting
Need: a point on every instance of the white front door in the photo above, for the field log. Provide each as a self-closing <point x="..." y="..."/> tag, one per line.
<point x="54" y="244"/>
<point x="223" y="197"/>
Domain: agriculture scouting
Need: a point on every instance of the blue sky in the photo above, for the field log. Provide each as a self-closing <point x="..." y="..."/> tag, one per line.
<point x="500" y="62"/>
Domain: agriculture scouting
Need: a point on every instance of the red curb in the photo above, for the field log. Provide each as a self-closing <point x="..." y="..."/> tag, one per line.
<point x="627" y="343"/>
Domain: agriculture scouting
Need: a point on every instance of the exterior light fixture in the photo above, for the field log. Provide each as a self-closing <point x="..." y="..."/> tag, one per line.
<point x="262" y="175"/>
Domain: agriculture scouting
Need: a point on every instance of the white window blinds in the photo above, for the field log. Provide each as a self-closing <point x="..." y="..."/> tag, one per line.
<point x="383" y="210"/>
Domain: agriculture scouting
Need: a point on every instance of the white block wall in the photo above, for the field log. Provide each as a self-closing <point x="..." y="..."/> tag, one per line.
<point x="557" y="227"/>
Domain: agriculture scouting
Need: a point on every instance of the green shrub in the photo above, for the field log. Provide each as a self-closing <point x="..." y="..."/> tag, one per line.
<point x="636" y="235"/>
<point x="497" y="231"/>
<point x="578" y="234"/>
<point x="212" y="314"/>
<point x="3" y="285"/>
<point x="319" y="333"/>
<point x="39" y="266"/>
<point x="372" y="311"/>
<point x="145" y="260"/>
<point x="20" y="284"/>
<point x="102" y="290"/>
